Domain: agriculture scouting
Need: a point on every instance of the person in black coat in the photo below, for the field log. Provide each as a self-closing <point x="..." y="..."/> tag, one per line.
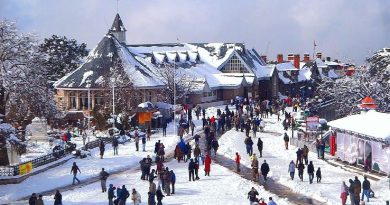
<point x="32" y="199"/>
<point x="101" y="148"/>
<point x="260" y="147"/>
<point x="57" y="198"/>
<point x="310" y="171"/>
<point x="318" y="175"/>
<point x="300" y="167"/>
<point x="191" y="170"/>
<point x="159" y="196"/>
<point x="264" y="170"/>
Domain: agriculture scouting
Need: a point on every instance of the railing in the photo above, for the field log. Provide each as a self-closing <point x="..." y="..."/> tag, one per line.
<point x="13" y="170"/>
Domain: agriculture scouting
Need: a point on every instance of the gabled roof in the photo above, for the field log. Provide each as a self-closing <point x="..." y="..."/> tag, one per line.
<point x="117" y="25"/>
<point x="110" y="59"/>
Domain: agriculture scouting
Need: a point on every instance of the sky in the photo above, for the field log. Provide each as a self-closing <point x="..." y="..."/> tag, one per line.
<point x="348" y="30"/>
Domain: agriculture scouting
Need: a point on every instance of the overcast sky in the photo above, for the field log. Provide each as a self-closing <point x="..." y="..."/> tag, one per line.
<point x="343" y="29"/>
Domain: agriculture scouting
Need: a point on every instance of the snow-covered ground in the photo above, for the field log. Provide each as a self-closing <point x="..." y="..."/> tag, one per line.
<point x="221" y="187"/>
<point x="90" y="167"/>
<point x="278" y="159"/>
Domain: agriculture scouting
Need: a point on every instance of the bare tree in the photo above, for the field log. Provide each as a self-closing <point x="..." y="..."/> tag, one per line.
<point x="176" y="80"/>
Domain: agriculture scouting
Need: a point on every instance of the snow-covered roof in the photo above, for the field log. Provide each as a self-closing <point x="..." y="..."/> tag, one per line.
<point x="286" y="69"/>
<point x="110" y="59"/>
<point x="372" y="123"/>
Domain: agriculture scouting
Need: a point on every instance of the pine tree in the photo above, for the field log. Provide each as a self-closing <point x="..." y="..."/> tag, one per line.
<point x="63" y="55"/>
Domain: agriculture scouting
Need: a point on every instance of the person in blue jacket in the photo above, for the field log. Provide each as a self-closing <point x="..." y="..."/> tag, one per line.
<point x="111" y="194"/>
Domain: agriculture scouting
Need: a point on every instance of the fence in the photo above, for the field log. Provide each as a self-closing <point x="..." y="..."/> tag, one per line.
<point x="13" y="170"/>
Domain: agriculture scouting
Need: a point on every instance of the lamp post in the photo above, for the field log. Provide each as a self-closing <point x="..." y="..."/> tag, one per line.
<point x="113" y="102"/>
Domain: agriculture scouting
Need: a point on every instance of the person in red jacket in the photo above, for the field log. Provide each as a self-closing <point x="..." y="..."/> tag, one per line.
<point x="238" y="159"/>
<point x="207" y="164"/>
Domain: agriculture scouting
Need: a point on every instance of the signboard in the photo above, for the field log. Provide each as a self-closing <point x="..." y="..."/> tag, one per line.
<point x="25" y="168"/>
<point x="312" y="123"/>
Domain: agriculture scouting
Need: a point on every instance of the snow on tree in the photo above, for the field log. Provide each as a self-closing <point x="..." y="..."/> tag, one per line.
<point x="24" y="89"/>
<point x="370" y="80"/>
<point x="177" y="82"/>
<point x="63" y="55"/>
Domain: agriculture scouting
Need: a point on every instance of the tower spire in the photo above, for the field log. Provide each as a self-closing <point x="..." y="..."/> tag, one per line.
<point x="118" y="29"/>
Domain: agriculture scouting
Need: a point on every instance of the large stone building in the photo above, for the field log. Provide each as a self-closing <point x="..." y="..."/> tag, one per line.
<point x="216" y="72"/>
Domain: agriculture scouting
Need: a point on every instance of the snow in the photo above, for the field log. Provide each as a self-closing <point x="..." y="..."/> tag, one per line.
<point x="287" y="66"/>
<point x="372" y="123"/>
<point x="214" y="189"/>
<point x="146" y="105"/>
<point x="90" y="167"/>
<point x="278" y="159"/>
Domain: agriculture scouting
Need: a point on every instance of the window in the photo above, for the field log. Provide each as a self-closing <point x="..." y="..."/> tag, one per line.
<point x="234" y="65"/>
<point x="99" y="99"/>
<point x="83" y="100"/>
<point x="210" y="94"/>
<point x="150" y="96"/>
<point x="72" y="100"/>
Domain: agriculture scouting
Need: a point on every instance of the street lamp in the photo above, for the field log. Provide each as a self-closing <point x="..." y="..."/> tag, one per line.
<point x="113" y="102"/>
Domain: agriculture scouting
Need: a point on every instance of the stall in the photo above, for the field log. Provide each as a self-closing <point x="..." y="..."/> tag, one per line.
<point x="364" y="139"/>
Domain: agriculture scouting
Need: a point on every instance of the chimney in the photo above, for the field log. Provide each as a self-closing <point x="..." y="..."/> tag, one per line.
<point x="319" y="55"/>
<point x="290" y="57"/>
<point x="280" y="58"/>
<point x="264" y="57"/>
<point x="328" y="58"/>
<point x="306" y="57"/>
<point x="297" y="60"/>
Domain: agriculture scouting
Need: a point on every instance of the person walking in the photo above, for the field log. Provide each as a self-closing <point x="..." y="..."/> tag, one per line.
<point x="124" y="194"/>
<point x="357" y="188"/>
<point x="192" y="127"/>
<point x="33" y="199"/>
<point x="167" y="181"/>
<point x="111" y="194"/>
<point x="164" y="128"/>
<point x="238" y="159"/>
<point x="207" y="165"/>
<point x="135" y="197"/>
<point x="249" y="143"/>
<point x="291" y="169"/>
<point x="343" y="193"/>
<point x="310" y="171"/>
<point x="351" y="192"/>
<point x="136" y="139"/>
<point x="173" y="181"/>
<point x="196" y="169"/>
<point x="101" y="148"/>
<point x="149" y="133"/>
<point x="39" y="200"/>
<point x="286" y="140"/>
<point x="57" y="198"/>
<point x="74" y="170"/>
<point x="305" y="154"/>
<point x="152" y="193"/>
<point x="260" y="147"/>
<point x="366" y="189"/>
<point x="191" y="170"/>
<point x="318" y="175"/>
<point x="255" y="167"/>
<point x="115" y="145"/>
<point x="159" y="196"/>
<point x="252" y="196"/>
<point x="103" y="179"/>
<point x="300" y="167"/>
<point x="264" y="170"/>
<point x="143" y="140"/>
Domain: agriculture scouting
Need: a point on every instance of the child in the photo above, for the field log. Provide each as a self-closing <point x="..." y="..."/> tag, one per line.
<point x="318" y="175"/>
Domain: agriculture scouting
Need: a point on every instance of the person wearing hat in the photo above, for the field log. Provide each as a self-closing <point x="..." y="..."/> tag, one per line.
<point x="264" y="170"/>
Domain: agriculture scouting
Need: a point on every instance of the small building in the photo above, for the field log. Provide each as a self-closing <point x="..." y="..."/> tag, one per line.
<point x="363" y="137"/>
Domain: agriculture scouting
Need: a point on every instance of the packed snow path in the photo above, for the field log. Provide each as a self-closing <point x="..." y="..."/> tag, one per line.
<point x="271" y="185"/>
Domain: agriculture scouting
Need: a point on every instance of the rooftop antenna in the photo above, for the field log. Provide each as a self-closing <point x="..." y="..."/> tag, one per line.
<point x="117" y="6"/>
<point x="314" y="48"/>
